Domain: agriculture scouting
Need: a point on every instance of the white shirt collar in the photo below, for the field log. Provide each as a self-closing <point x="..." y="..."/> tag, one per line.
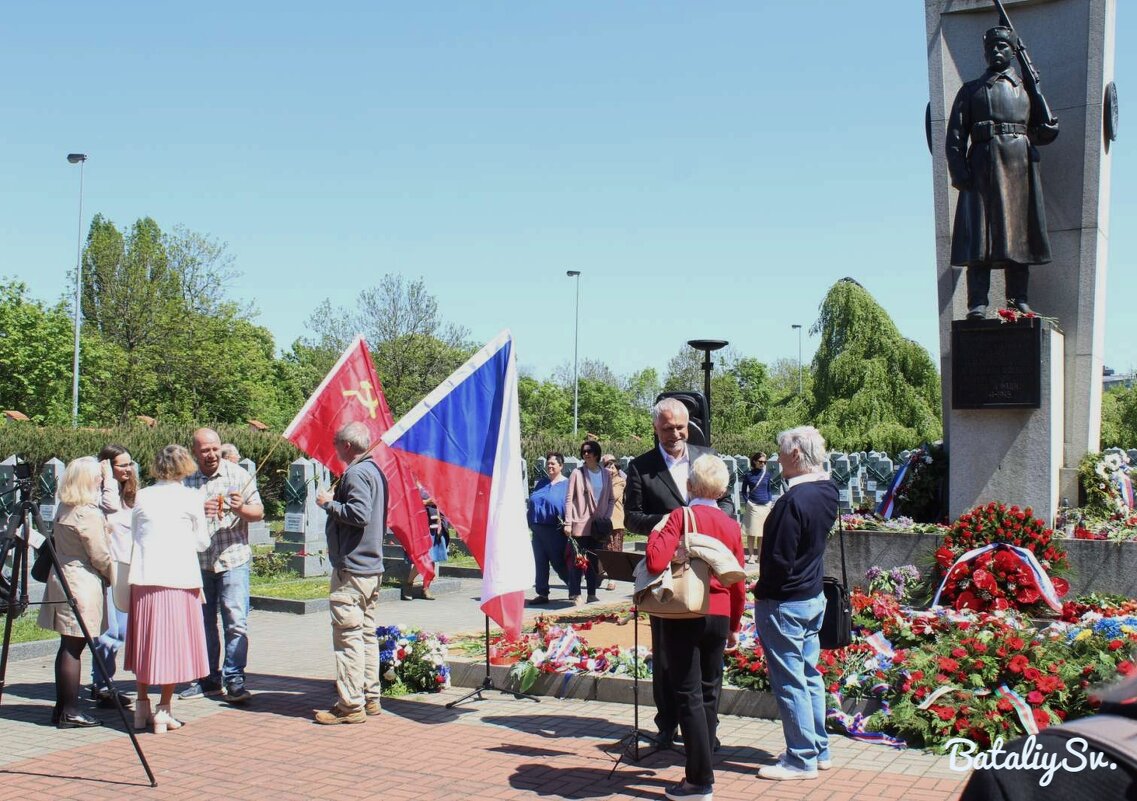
<point x="806" y="478"/>
<point x="702" y="502"/>
<point x="670" y="460"/>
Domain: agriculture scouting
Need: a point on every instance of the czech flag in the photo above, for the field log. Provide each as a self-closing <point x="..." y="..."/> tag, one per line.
<point x="463" y="442"/>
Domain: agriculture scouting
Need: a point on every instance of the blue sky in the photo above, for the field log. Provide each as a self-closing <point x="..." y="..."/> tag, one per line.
<point x="711" y="169"/>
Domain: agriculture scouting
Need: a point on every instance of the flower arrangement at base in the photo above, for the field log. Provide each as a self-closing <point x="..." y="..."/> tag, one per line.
<point x="869" y="521"/>
<point x="412" y="660"/>
<point x="558" y="648"/>
<point x="1002" y="577"/>
<point x="899" y="581"/>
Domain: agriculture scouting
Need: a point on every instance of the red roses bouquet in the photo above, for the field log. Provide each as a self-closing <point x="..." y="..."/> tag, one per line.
<point x="1000" y="578"/>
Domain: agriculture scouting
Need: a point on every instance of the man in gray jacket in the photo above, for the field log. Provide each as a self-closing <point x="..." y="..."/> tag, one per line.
<point x="357" y="520"/>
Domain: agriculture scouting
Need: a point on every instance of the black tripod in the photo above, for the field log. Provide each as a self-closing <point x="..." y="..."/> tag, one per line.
<point x="620" y="566"/>
<point x="487" y="682"/>
<point x="16" y="541"/>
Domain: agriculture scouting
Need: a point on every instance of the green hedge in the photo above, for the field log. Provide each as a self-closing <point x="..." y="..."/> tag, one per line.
<point x="37" y="444"/>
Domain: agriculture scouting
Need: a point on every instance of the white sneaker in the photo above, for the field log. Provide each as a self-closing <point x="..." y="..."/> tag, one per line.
<point x="784" y="773"/>
<point x="822" y="764"/>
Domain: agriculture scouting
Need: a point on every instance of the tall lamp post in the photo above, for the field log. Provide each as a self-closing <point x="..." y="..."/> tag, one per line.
<point x="80" y="159"/>
<point x="707" y="346"/>
<point x="800" y="382"/>
<point x="575" y="352"/>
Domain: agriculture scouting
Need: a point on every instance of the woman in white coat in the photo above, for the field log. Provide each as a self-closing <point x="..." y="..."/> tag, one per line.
<point x="165" y="643"/>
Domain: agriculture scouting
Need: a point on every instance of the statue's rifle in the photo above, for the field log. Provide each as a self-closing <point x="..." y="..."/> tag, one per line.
<point x="1040" y="109"/>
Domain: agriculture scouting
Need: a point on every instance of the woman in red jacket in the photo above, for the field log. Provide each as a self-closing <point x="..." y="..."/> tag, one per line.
<point x="694" y="647"/>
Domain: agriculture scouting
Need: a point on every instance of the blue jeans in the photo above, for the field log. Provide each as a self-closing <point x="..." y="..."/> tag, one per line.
<point x="110" y="641"/>
<point x="227" y="593"/>
<point x="548" y="548"/>
<point x="788" y="633"/>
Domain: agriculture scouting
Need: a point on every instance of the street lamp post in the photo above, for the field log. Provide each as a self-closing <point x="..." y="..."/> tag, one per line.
<point x="800" y="382"/>
<point x="575" y="353"/>
<point x="707" y="346"/>
<point x="81" y="160"/>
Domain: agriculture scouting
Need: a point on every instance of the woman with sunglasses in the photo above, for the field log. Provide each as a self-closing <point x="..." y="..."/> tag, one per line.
<point x="589" y="498"/>
<point x="756" y="491"/>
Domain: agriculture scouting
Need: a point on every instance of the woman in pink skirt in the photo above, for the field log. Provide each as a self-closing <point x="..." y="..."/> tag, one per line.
<point x="165" y="642"/>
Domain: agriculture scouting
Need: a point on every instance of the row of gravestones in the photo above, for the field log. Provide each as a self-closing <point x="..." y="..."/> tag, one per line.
<point x="862" y="478"/>
<point x="45" y="491"/>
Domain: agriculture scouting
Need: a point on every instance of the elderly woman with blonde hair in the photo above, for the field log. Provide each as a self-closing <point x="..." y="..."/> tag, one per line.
<point x="82" y="546"/>
<point x="165" y="643"/>
<point x="694" y="646"/>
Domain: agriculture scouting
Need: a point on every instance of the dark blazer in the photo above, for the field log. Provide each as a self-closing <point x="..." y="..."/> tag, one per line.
<point x="650" y="493"/>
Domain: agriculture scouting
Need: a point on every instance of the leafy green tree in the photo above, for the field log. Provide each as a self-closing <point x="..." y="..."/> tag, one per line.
<point x="1119" y="418"/>
<point x="643" y="388"/>
<point x="684" y="371"/>
<point x="413" y="347"/>
<point x="546" y="408"/>
<point x="36" y="348"/>
<point x="872" y="388"/>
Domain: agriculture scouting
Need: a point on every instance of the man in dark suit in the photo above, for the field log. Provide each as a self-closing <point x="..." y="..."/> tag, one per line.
<point x="657" y="485"/>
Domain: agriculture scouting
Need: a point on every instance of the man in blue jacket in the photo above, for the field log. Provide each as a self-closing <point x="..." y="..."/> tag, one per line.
<point x="357" y="520"/>
<point x="789" y="603"/>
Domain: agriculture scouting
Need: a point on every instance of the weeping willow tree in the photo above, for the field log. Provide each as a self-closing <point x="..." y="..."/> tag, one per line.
<point x="872" y="388"/>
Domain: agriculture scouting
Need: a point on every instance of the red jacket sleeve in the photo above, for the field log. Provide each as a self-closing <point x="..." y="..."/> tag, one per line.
<point x="661" y="544"/>
<point x="737" y="589"/>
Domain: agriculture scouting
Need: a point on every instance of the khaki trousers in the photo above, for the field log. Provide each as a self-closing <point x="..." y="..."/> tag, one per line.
<point x="353" y="601"/>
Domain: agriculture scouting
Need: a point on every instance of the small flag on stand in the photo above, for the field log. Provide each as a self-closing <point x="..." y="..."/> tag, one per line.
<point x="351" y="392"/>
<point x="463" y="441"/>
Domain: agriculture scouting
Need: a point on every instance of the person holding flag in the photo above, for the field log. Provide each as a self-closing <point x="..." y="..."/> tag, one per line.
<point x="352" y="393"/>
<point x="357" y="520"/>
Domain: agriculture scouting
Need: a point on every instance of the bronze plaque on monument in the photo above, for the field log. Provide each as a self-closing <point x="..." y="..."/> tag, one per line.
<point x="996" y="365"/>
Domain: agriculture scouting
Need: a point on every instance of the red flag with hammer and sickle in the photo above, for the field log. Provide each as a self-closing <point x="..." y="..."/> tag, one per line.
<point x="350" y="393"/>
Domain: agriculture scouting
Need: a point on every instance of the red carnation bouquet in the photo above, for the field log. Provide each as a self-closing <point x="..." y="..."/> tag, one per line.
<point x="999" y="578"/>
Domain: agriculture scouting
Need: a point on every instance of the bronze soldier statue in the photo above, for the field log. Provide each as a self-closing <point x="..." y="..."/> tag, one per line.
<point x="995" y="126"/>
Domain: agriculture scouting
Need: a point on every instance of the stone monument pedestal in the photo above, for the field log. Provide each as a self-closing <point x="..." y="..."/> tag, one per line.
<point x="1007" y="417"/>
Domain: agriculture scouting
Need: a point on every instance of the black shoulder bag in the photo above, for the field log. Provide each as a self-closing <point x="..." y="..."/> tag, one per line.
<point x="837" y="625"/>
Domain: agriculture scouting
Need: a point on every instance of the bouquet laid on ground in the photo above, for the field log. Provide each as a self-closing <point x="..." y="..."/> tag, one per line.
<point x="558" y="648"/>
<point x="998" y="557"/>
<point x="869" y="521"/>
<point x="412" y="660"/>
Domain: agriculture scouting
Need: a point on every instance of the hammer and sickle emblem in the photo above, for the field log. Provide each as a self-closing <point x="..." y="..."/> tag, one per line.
<point x="364" y="396"/>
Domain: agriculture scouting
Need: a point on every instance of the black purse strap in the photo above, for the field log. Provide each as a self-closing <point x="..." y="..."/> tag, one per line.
<point x="841" y="539"/>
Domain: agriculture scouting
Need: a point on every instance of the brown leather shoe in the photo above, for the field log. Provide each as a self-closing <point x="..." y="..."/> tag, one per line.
<point x="338" y="715"/>
<point x="373" y="707"/>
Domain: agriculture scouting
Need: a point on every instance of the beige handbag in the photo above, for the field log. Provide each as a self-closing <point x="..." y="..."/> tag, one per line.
<point x="690" y="593"/>
<point x="120" y="587"/>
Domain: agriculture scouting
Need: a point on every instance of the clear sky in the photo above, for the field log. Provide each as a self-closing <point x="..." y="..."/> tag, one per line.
<point x="710" y="168"/>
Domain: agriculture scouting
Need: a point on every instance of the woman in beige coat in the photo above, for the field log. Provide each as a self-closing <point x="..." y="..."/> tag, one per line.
<point x="83" y="548"/>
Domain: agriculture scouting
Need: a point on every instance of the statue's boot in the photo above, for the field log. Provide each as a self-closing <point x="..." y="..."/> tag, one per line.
<point x="1018" y="278"/>
<point x="978" y="287"/>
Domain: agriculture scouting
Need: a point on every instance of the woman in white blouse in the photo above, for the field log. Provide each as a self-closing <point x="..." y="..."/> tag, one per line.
<point x="165" y="643"/>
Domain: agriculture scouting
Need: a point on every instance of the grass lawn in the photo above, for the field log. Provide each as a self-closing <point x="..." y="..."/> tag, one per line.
<point x="25" y="629"/>
<point x="291" y="587"/>
<point x="294" y="588"/>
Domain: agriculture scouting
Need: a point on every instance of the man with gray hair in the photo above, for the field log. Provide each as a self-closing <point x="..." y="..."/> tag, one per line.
<point x="789" y="603"/>
<point x="357" y="520"/>
<point x="231" y="502"/>
<point x="656" y="485"/>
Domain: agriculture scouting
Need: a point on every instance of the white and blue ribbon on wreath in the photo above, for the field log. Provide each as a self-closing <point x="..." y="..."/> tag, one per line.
<point x="1042" y="580"/>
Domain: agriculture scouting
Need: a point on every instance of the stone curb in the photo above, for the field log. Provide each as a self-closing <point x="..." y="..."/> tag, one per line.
<point x="611" y="689"/>
<point x="35" y="649"/>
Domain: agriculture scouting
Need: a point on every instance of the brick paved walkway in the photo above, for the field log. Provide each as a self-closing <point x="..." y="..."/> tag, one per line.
<point x="500" y="748"/>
